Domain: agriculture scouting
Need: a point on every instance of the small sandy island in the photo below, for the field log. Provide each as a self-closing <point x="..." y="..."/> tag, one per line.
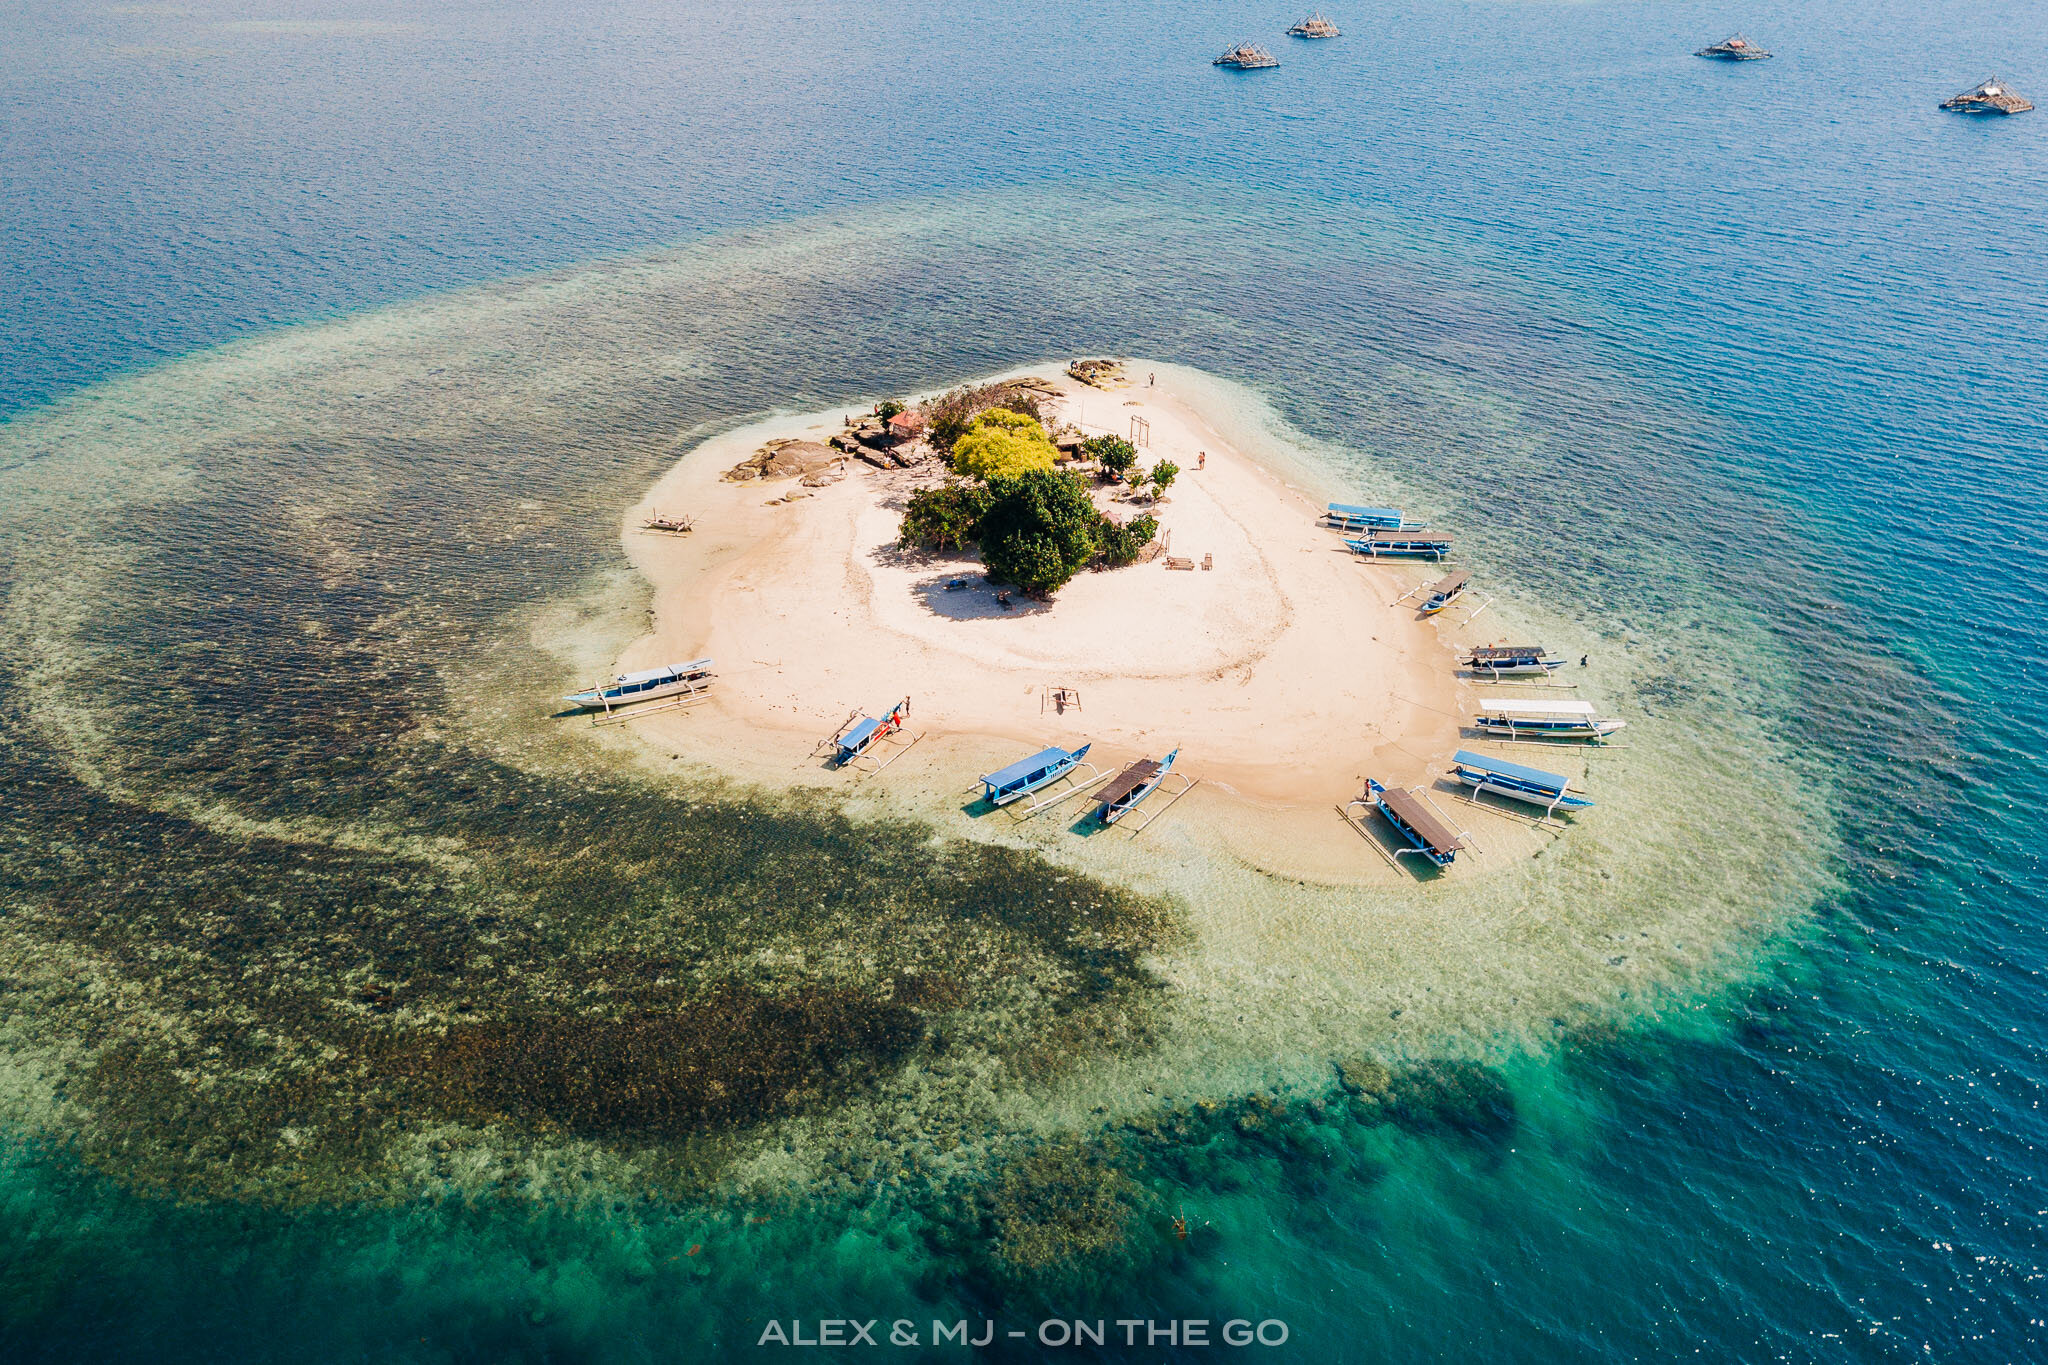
<point x="1283" y="669"/>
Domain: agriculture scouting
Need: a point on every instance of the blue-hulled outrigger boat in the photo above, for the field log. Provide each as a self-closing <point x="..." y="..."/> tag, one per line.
<point x="1548" y="790"/>
<point x="1502" y="661"/>
<point x="1346" y="517"/>
<point x="1544" y="718"/>
<point x="680" y="681"/>
<point x="1444" y="591"/>
<point x="1415" y="820"/>
<point x="861" y="737"/>
<point x="1027" y="775"/>
<point x="1123" y="793"/>
<point x="1384" y="542"/>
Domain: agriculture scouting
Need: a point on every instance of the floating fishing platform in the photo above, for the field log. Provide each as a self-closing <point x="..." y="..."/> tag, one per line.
<point x="860" y="741"/>
<point x="1044" y="770"/>
<point x="1124" y="793"/>
<point x="1539" y="720"/>
<point x="1416" y="818"/>
<point x="1991" y="97"/>
<point x="1315" y="26"/>
<point x="1507" y="661"/>
<point x="1386" y="543"/>
<point x="1736" y="49"/>
<point x="628" y="695"/>
<point x="1246" y="57"/>
<point x="674" y="526"/>
<point x="1551" y="791"/>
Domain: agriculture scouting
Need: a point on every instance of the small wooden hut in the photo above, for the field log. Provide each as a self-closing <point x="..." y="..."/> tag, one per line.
<point x="1246" y="57"/>
<point x="1992" y="97"/>
<point x="1315" y="26"/>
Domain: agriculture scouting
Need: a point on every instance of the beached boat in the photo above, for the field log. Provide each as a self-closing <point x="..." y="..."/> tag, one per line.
<point x="1416" y="821"/>
<point x="1315" y="26"/>
<point x="1122" y="794"/>
<point x="1992" y="97"/>
<point x="1504" y="661"/>
<point x="1548" y="790"/>
<point x="1444" y="591"/>
<point x="860" y="735"/>
<point x="675" y="526"/>
<point x="1387" y="543"/>
<point x="1736" y="49"/>
<point x="1246" y="57"/>
<point x="1346" y="517"/>
<point x="1545" y="718"/>
<point x="649" y="684"/>
<point x="1027" y="775"/>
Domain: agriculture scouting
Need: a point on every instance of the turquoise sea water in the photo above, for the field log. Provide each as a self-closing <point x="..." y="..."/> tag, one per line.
<point x="1752" y="355"/>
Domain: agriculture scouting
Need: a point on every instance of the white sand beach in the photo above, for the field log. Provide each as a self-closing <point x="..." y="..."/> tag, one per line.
<point x="1283" y="672"/>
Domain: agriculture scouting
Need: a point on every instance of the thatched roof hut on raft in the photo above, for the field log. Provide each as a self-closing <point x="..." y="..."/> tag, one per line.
<point x="1992" y="97"/>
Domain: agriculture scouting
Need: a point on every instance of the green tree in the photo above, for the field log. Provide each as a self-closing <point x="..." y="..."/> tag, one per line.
<point x="887" y="408"/>
<point x="1113" y="453"/>
<point x="1163" y="475"/>
<point x="1121" y="545"/>
<point x="1041" y="528"/>
<point x="1002" y="443"/>
<point x="946" y="517"/>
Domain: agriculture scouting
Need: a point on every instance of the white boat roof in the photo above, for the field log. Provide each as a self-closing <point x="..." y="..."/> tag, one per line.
<point x="1540" y="706"/>
<point x="672" y="671"/>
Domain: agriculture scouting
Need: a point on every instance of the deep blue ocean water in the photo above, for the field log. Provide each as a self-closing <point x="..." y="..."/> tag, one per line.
<point x="1794" y="279"/>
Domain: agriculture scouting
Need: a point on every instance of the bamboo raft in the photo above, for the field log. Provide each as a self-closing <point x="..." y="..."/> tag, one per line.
<point x="1246" y="57"/>
<point x="1991" y="97"/>
<point x="1315" y="26"/>
<point x="1736" y="49"/>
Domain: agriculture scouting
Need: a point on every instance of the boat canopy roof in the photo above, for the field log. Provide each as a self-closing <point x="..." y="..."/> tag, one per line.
<point x="1440" y="837"/>
<point x="859" y="734"/>
<point x="672" y="671"/>
<point x="1540" y="706"/>
<point x="1345" y="509"/>
<point x="1127" y="781"/>
<point x="1028" y="767"/>
<point x="1510" y="651"/>
<point x="1551" y="782"/>
<point x="1451" y="582"/>
<point x="1395" y="533"/>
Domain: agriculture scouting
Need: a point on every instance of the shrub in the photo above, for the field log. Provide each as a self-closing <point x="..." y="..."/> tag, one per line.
<point x="1002" y="443"/>
<point x="1040" y="529"/>
<point x="946" y="517"/>
<point x="951" y="415"/>
<point x="1163" y="475"/>
<point x="888" y="408"/>
<point x="1121" y="545"/>
<point x="1113" y="453"/>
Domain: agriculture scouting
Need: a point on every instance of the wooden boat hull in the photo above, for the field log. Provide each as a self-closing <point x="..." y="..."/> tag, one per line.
<point x="1553" y="729"/>
<point x="696" y="679"/>
<point x="1019" y="791"/>
<point x="1109" y="815"/>
<point x="1508" y="786"/>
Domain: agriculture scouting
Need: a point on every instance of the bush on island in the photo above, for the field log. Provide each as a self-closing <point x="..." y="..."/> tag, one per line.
<point x="946" y="517"/>
<point x="1113" y="453"/>
<point x="949" y="416"/>
<point x="1002" y="443"/>
<point x="1041" y="528"/>
<point x="1121" y="545"/>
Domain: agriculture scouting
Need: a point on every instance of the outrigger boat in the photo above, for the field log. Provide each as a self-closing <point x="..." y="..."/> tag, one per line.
<point x="1346" y="517"/>
<point x="1028" y="775"/>
<point x="674" y="526"/>
<point x="1548" y="790"/>
<point x="649" y="684"/>
<point x="1442" y="592"/>
<point x="1500" y="661"/>
<point x="1123" y="793"/>
<point x="860" y="737"/>
<point x="1385" y="542"/>
<point x="1415" y="819"/>
<point x="1545" y="718"/>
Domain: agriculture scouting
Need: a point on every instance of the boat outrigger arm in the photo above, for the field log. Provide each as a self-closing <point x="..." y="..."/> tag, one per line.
<point x="859" y="740"/>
